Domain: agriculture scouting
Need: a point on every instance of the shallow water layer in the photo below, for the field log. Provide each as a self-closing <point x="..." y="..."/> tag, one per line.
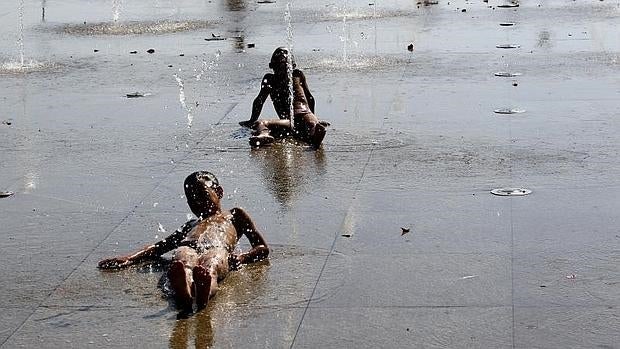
<point x="414" y="145"/>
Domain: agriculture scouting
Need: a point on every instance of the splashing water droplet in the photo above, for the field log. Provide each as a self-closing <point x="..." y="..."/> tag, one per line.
<point x="116" y="10"/>
<point x="188" y="110"/>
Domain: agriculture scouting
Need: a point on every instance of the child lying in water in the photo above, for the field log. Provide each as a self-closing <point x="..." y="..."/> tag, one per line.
<point x="203" y="246"/>
<point x="306" y="126"/>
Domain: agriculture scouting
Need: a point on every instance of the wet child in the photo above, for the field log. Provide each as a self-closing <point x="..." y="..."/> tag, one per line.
<point x="306" y="126"/>
<point x="204" y="246"/>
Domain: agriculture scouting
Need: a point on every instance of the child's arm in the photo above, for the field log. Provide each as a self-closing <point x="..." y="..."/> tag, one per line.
<point x="257" y="105"/>
<point x="304" y="85"/>
<point x="245" y="226"/>
<point x="166" y="245"/>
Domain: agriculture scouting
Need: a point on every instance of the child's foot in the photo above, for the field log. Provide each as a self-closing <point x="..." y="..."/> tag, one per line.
<point x="202" y="280"/>
<point x="319" y="134"/>
<point x="180" y="286"/>
<point x="260" y="140"/>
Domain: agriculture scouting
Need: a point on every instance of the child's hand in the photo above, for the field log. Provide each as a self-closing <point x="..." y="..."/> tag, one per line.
<point x="235" y="261"/>
<point x="114" y="263"/>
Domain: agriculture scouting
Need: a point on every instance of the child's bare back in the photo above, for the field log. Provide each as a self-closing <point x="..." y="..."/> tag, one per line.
<point x="306" y="126"/>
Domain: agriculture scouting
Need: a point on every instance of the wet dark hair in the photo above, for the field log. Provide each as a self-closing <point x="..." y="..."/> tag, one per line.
<point x="279" y="52"/>
<point x="200" y="180"/>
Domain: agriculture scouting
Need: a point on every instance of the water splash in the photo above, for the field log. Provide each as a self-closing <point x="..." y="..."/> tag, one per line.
<point x="116" y="10"/>
<point x="344" y="39"/>
<point x="188" y="110"/>
<point x="21" y="66"/>
<point x="20" y="33"/>
<point x="152" y="27"/>
<point x="289" y="64"/>
<point x="205" y="67"/>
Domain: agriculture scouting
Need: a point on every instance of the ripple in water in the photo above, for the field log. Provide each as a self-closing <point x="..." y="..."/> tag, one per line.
<point x="132" y="28"/>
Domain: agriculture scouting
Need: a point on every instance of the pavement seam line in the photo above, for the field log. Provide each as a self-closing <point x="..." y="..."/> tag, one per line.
<point x="331" y="250"/>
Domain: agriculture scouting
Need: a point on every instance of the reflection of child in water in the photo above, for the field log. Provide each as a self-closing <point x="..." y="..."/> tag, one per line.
<point x="203" y="246"/>
<point x="306" y="126"/>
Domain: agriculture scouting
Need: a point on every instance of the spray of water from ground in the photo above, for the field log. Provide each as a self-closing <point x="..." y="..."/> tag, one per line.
<point x="289" y="62"/>
<point x="21" y="65"/>
<point x="116" y="10"/>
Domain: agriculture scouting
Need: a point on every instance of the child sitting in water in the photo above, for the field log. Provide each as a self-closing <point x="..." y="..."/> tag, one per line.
<point x="203" y="246"/>
<point x="306" y="126"/>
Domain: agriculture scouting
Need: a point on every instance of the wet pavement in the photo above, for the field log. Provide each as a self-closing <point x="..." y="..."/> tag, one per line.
<point x="414" y="143"/>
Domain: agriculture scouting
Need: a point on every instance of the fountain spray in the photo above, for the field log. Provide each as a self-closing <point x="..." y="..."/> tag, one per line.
<point x="20" y="35"/>
<point x="289" y="64"/>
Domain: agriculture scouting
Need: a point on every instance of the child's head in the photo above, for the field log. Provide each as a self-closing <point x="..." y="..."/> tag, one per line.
<point x="280" y="57"/>
<point x="203" y="193"/>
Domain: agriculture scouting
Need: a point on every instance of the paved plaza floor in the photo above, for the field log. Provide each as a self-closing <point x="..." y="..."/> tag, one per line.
<point x="414" y="143"/>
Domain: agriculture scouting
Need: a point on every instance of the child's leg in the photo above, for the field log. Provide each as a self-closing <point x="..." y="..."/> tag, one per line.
<point x="263" y="131"/>
<point x="212" y="267"/>
<point x="313" y="131"/>
<point x="183" y="261"/>
<point x="317" y="135"/>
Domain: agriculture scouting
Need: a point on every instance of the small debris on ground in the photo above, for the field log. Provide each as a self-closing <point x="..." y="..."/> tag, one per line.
<point x="215" y="37"/>
<point x="251" y="45"/>
<point x="7" y="122"/>
<point x="265" y="2"/>
<point x="5" y="194"/>
<point x="151" y="50"/>
<point x="95" y="50"/>
<point x="404" y="231"/>
<point x="571" y="276"/>
<point x="469" y="277"/>
<point x="133" y="52"/>
<point x="347" y="235"/>
<point x="410" y="47"/>
<point x="135" y="95"/>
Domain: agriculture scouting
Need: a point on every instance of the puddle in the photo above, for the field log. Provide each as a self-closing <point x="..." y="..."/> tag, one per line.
<point x="132" y="28"/>
<point x="504" y="74"/>
<point x="335" y="141"/>
<point x="284" y="280"/>
<point x="508" y="111"/>
<point x="356" y="62"/>
<point x="337" y="14"/>
<point x="511" y="192"/>
<point x="507" y="46"/>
